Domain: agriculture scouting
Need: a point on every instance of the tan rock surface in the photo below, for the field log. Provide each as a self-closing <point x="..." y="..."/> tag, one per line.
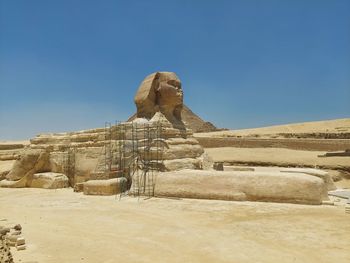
<point x="5" y="168"/>
<point x="30" y="162"/>
<point x="180" y="164"/>
<point x="326" y="177"/>
<point x="14" y="184"/>
<point x="6" y="145"/>
<point x="105" y="187"/>
<point x="49" y="180"/>
<point x="236" y="185"/>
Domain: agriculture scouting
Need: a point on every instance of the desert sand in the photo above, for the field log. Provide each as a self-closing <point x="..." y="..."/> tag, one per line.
<point x="63" y="226"/>
<point x="329" y="126"/>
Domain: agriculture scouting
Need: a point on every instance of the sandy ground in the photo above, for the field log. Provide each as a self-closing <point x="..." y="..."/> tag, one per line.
<point x="63" y="226"/>
<point x="330" y="126"/>
<point x="275" y="156"/>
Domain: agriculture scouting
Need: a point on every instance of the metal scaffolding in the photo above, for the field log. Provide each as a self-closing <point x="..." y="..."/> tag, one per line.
<point x="147" y="156"/>
<point x="68" y="164"/>
<point x="134" y="151"/>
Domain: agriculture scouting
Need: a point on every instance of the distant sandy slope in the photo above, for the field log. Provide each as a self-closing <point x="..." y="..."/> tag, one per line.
<point x="276" y="156"/>
<point x="330" y="126"/>
<point x="63" y="226"/>
<point x="282" y="158"/>
<point x="24" y="142"/>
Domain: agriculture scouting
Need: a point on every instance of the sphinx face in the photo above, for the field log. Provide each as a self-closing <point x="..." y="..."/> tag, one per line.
<point x="169" y="94"/>
<point x="160" y="92"/>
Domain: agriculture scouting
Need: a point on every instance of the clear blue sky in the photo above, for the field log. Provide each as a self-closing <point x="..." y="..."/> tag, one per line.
<point x="70" y="64"/>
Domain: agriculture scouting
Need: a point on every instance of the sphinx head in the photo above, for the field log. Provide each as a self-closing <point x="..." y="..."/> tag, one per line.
<point x="160" y="92"/>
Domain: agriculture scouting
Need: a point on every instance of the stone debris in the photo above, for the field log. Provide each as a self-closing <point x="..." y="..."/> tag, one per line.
<point x="79" y="187"/>
<point x="17" y="227"/>
<point x="5" y="252"/>
<point x="218" y="166"/>
<point x="21" y="247"/>
<point x="10" y="237"/>
<point x="20" y="241"/>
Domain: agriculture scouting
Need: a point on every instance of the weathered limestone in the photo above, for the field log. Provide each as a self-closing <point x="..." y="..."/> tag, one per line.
<point x="180" y="150"/>
<point x="324" y="175"/>
<point x="7" y="155"/>
<point x="5" y="168"/>
<point x="14" y="184"/>
<point x="249" y="186"/>
<point x="184" y="163"/>
<point x="30" y="162"/>
<point x="49" y="180"/>
<point x="105" y="187"/>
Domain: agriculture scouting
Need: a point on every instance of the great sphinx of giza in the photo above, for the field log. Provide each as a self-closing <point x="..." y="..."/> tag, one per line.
<point x="185" y="168"/>
<point x="159" y="99"/>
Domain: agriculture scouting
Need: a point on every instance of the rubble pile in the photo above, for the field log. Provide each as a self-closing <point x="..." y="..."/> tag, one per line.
<point x="10" y="237"/>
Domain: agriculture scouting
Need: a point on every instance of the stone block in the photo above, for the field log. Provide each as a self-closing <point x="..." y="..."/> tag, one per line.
<point x="22" y="247"/>
<point x="250" y="186"/>
<point x="20" y="241"/>
<point x="105" y="187"/>
<point x="49" y="180"/>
